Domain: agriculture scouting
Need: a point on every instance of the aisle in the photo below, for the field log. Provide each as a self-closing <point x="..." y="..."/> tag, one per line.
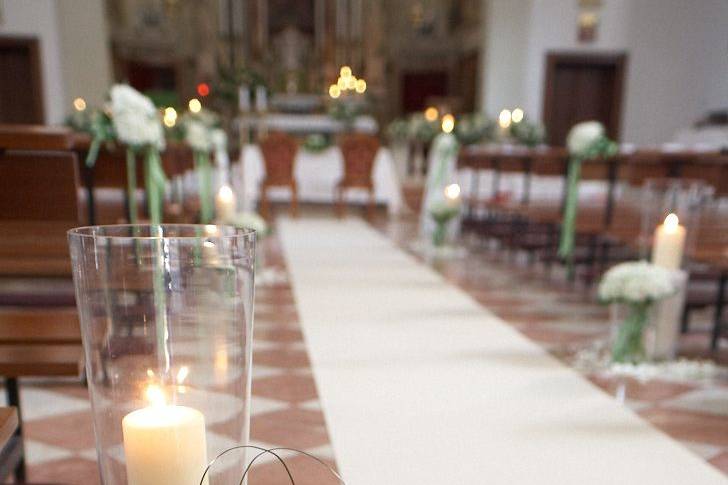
<point x="420" y="385"/>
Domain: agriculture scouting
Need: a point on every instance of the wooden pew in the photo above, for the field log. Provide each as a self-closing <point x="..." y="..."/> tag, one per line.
<point x="39" y="331"/>
<point x="109" y="172"/>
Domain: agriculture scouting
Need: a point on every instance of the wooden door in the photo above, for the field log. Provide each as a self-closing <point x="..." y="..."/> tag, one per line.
<point x="417" y="87"/>
<point x="581" y="87"/>
<point x="21" y="93"/>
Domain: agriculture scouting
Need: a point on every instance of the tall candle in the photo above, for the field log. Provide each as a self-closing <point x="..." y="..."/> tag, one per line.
<point x="225" y="204"/>
<point x="164" y="445"/>
<point x="669" y="243"/>
<point x="261" y="99"/>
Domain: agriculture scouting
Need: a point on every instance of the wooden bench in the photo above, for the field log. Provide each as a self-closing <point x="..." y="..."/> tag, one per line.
<point x="39" y="330"/>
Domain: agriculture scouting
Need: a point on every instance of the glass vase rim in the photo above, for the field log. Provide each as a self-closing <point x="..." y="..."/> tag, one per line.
<point x="189" y="232"/>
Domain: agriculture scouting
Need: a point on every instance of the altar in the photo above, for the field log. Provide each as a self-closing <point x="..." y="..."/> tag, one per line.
<point x="317" y="175"/>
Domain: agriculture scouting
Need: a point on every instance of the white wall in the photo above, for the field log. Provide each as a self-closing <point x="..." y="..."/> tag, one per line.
<point x="678" y="66"/>
<point x="86" y="65"/>
<point x="504" y="57"/>
<point x="38" y="18"/>
<point x="73" y="46"/>
<point x="677" y="57"/>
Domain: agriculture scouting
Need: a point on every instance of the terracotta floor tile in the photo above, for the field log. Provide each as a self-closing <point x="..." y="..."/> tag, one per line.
<point x="689" y="426"/>
<point x="283" y="335"/>
<point x="651" y="391"/>
<point x="73" y="431"/>
<point x="282" y="357"/>
<point x="77" y="471"/>
<point x="288" y="387"/>
<point x="287" y="433"/>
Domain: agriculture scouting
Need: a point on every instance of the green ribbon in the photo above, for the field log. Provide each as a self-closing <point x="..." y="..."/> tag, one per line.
<point x="155" y="181"/>
<point x="131" y="186"/>
<point x="204" y="182"/>
<point x="568" y="225"/>
<point x="602" y="147"/>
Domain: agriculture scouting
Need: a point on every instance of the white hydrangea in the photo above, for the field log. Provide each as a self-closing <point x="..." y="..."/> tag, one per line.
<point x="198" y="136"/>
<point x="136" y="120"/>
<point x="583" y="135"/>
<point x="218" y="139"/>
<point x="636" y="282"/>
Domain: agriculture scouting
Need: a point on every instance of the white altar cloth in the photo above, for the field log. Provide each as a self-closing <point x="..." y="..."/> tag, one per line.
<point x="420" y="384"/>
<point x="317" y="175"/>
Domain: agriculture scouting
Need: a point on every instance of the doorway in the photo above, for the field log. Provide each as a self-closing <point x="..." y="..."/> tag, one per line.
<point x="581" y="87"/>
<point x="21" y="87"/>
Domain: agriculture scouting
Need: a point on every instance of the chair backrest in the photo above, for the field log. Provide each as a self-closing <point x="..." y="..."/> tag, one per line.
<point x="279" y="155"/>
<point x="359" y="151"/>
<point x="39" y="202"/>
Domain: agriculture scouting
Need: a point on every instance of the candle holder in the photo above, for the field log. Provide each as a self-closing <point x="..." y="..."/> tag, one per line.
<point x="166" y="317"/>
<point x="661" y="197"/>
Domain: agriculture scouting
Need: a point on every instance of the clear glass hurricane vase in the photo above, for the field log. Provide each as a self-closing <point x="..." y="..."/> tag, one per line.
<point x="166" y="315"/>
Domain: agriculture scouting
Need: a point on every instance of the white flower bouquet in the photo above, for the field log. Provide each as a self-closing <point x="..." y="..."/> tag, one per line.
<point x="638" y="285"/>
<point x="203" y="136"/>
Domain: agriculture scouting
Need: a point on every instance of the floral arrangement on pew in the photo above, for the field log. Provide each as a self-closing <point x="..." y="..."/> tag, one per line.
<point x="528" y="133"/>
<point x="474" y="128"/>
<point x="637" y="285"/>
<point x="132" y="119"/>
<point x="585" y="141"/>
<point x="202" y="134"/>
<point x="316" y="142"/>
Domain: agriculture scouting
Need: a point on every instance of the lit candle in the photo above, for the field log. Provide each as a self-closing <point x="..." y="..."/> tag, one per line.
<point x="669" y="243"/>
<point x="452" y="195"/>
<point x="225" y="204"/>
<point x="448" y="123"/>
<point x="164" y="444"/>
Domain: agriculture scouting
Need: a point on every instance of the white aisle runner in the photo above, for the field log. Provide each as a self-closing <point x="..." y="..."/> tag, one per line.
<point x="420" y="385"/>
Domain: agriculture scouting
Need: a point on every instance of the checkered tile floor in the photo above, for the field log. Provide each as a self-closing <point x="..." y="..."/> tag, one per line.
<point x="285" y="411"/>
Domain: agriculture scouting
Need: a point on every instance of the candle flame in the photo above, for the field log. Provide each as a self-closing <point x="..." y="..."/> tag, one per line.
<point x="448" y="123"/>
<point x="431" y="113"/>
<point x="225" y="193"/>
<point x="504" y="118"/>
<point x="155" y="395"/>
<point x="182" y="374"/>
<point x="671" y="222"/>
<point x="452" y="191"/>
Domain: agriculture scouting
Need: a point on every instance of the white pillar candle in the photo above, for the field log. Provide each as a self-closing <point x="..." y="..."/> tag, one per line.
<point x="164" y="445"/>
<point x="225" y="204"/>
<point x="669" y="243"/>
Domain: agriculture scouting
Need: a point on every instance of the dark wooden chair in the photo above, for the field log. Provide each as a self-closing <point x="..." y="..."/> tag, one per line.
<point x="279" y="156"/>
<point x="39" y="331"/>
<point x="359" y="152"/>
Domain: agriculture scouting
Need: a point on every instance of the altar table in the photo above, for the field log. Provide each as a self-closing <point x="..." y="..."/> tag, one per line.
<point x="317" y="175"/>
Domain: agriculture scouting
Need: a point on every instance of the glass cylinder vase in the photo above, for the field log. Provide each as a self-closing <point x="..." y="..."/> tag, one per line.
<point x="166" y="315"/>
<point x="664" y="196"/>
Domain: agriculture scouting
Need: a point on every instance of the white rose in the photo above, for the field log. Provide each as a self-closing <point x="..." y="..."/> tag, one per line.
<point x="583" y="135"/>
<point x="636" y="282"/>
